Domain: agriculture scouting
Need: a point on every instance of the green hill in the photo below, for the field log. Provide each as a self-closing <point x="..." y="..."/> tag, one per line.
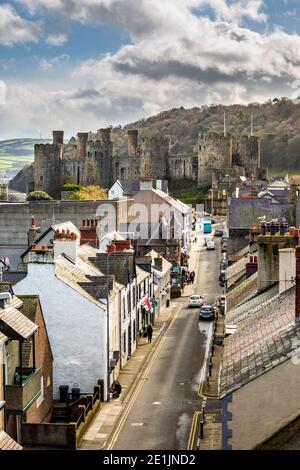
<point x="277" y="122"/>
<point x="15" y="154"/>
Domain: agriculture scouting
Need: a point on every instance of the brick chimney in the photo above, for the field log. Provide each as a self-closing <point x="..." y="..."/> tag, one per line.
<point x="88" y="232"/>
<point x="33" y="232"/>
<point x="251" y="267"/>
<point x="297" y="306"/>
<point x="66" y="242"/>
<point x="119" y="245"/>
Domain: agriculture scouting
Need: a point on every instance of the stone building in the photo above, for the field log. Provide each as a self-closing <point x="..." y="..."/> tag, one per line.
<point x="92" y="159"/>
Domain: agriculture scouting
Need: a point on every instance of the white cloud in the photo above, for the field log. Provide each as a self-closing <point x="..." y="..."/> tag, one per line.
<point x="14" y="29"/>
<point x="47" y="64"/>
<point x="178" y="57"/>
<point x="56" y="39"/>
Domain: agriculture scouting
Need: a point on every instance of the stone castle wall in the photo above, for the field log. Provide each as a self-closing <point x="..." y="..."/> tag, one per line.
<point x="89" y="159"/>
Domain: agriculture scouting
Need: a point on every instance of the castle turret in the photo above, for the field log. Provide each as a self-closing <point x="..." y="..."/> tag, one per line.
<point x="133" y="136"/>
<point x="48" y="165"/>
<point x="82" y="141"/>
<point x="105" y="136"/>
<point x="58" y="137"/>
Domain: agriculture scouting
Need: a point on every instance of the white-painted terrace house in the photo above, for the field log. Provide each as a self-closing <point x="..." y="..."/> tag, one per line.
<point x="81" y="310"/>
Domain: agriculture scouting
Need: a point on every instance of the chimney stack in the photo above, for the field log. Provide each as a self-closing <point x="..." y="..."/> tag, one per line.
<point x="88" y="231"/>
<point x="33" y="231"/>
<point x="297" y="306"/>
<point x="251" y="266"/>
<point x="66" y="242"/>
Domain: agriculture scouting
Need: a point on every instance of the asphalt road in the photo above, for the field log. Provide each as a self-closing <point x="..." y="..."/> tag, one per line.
<point x="161" y="417"/>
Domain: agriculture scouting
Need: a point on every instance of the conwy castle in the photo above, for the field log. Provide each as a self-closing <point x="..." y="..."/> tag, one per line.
<point x="91" y="159"/>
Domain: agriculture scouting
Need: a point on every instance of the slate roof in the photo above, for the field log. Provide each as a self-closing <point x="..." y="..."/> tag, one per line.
<point x="262" y="340"/>
<point x="239" y="294"/>
<point x="14" y="320"/>
<point x="239" y="254"/>
<point x="243" y="310"/>
<point x="7" y="443"/>
<point x="141" y="274"/>
<point x="236" y="271"/>
<point x="74" y="273"/>
<point x="176" y="203"/>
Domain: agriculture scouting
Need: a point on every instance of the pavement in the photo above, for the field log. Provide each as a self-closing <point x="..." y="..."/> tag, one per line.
<point x="161" y="382"/>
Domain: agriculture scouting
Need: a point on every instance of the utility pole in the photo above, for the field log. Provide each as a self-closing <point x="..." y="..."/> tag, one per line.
<point x="225" y="129"/>
<point x="251" y="132"/>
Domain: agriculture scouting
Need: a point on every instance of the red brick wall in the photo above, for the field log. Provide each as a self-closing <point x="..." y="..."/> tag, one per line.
<point x="43" y="358"/>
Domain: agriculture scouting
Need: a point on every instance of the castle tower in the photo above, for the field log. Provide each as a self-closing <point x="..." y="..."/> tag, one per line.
<point x="105" y="136"/>
<point x="154" y="154"/>
<point x="215" y="153"/>
<point x="101" y="152"/>
<point x="58" y="137"/>
<point x="133" y="136"/>
<point x="81" y="145"/>
<point x="48" y="165"/>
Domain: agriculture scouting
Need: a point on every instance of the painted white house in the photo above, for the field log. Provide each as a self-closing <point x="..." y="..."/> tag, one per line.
<point x="79" y="315"/>
<point x="116" y="191"/>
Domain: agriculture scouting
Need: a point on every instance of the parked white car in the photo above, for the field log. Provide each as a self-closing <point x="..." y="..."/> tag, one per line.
<point x="210" y="245"/>
<point x="196" y="301"/>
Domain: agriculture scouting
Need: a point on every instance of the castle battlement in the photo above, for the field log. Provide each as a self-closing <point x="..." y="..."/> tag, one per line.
<point x="90" y="159"/>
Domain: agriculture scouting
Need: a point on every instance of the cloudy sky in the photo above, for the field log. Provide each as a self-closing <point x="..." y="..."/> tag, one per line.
<point x="83" y="64"/>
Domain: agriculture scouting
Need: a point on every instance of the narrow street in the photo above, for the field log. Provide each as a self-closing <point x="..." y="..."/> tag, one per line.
<point x="161" y="415"/>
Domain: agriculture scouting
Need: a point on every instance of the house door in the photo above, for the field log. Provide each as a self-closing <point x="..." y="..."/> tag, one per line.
<point x="129" y="340"/>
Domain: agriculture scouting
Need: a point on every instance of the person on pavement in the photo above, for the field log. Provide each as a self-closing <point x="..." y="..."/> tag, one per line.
<point x="116" y="389"/>
<point x="149" y="333"/>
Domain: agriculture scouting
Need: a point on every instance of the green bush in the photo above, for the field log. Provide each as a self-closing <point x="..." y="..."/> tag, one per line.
<point x="38" y="196"/>
<point x="71" y="187"/>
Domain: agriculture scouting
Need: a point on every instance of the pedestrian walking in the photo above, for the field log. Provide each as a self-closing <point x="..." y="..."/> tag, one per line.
<point x="149" y="333"/>
<point x="192" y="276"/>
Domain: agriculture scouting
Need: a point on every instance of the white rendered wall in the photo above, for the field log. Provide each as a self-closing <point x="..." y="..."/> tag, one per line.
<point x="76" y="329"/>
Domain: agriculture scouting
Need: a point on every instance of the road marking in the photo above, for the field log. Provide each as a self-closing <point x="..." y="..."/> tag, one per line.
<point x="156" y="403"/>
<point x="193" y="430"/>
<point x="138" y="388"/>
<point x="137" y="424"/>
